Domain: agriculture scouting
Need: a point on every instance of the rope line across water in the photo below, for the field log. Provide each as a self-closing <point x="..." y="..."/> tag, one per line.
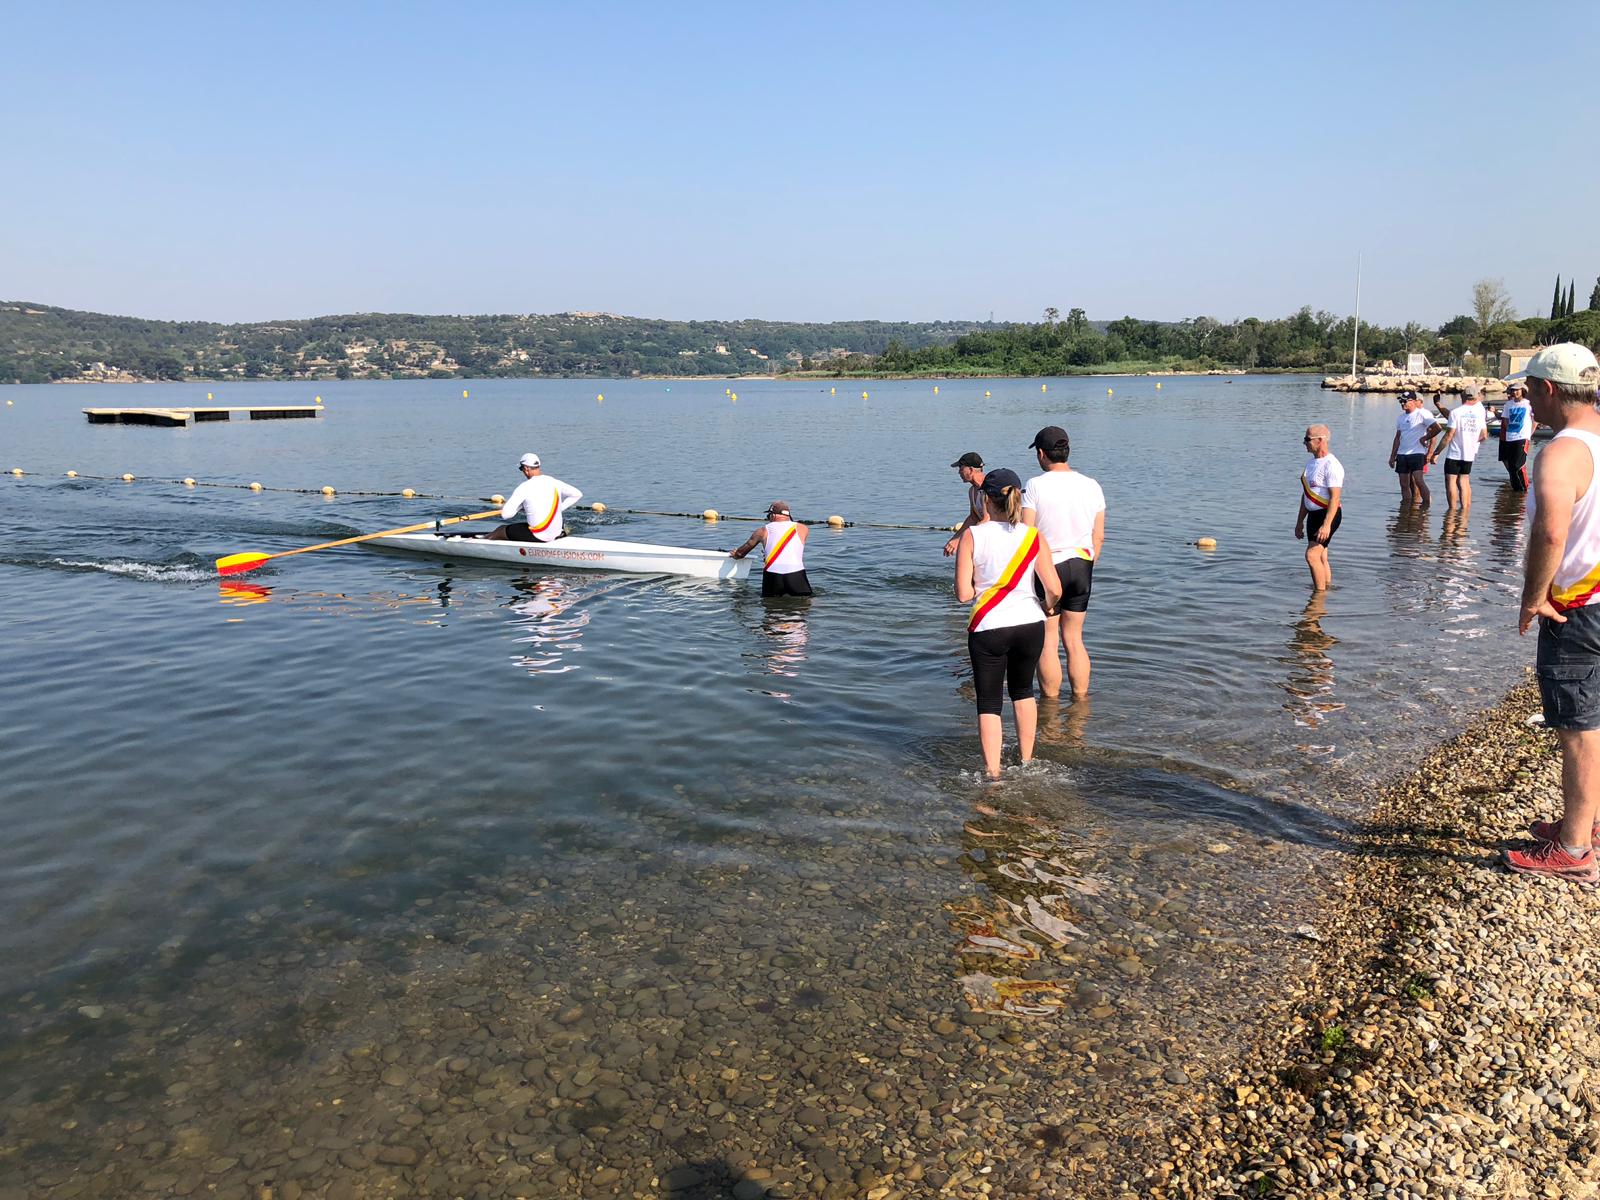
<point x="411" y="494"/>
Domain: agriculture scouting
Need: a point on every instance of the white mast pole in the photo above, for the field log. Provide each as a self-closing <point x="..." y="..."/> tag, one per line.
<point x="1355" y="339"/>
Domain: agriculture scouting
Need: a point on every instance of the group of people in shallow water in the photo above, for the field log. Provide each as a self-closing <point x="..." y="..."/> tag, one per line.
<point x="1025" y="556"/>
<point x="1460" y="432"/>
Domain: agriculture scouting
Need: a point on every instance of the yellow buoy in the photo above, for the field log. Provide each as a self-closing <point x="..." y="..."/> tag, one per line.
<point x="986" y="395"/>
<point x="319" y="399"/>
<point x="1109" y="392"/>
<point x="600" y="399"/>
<point x="125" y="478"/>
<point x="597" y="507"/>
<point x="1158" y="386"/>
<point x="463" y="393"/>
<point x="735" y="396"/>
<point x="327" y="491"/>
<point x="188" y="482"/>
<point x="255" y="487"/>
<point x="836" y="521"/>
<point x="497" y="498"/>
<point x="711" y="514"/>
<point x="16" y="470"/>
<point x="1207" y="543"/>
<point x="8" y="403"/>
<point x="936" y="389"/>
<point x="1044" y="387"/>
<point x="208" y="395"/>
<point x="863" y="395"/>
<point x="72" y="474"/>
<point x="833" y="391"/>
<point x="409" y="493"/>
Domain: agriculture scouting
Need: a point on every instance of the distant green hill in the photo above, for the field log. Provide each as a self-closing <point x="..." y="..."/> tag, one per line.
<point x="41" y="344"/>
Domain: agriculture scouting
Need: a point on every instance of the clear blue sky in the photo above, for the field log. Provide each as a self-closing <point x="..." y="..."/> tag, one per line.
<point x="800" y="162"/>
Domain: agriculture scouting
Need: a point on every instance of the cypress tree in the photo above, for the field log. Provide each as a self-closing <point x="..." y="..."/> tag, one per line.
<point x="1594" y="296"/>
<point x="1555" y="301"/>
<point x="1572" y="298"/>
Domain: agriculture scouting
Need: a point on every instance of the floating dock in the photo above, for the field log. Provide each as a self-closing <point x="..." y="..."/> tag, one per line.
<point x="188" y="416"/>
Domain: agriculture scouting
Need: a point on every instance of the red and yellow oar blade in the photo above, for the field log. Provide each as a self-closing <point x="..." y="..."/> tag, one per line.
<point x="238" y="564"/>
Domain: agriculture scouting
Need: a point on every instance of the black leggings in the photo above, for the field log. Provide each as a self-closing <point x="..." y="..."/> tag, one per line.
<point x="1008" y="657"/>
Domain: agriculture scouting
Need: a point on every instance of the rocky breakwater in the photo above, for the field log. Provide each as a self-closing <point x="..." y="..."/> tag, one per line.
<point x="1426" y="384"/>
<point x="1447" y="1031"/>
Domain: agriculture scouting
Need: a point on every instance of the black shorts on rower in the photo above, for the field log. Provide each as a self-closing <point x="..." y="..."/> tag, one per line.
<point x="1409" y="464"/>
<point x="1076" y="577"/>
<point x="1314" y="522"/>
<point x="790" y="583"/>
<point x="1458" y="466"/>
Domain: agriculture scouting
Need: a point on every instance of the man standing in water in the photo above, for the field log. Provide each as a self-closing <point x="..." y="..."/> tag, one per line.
<point x="1320" y="510"/>
<point x="1069" y="509"/>
<point x="1468" y="428"/>
<point x="783" y="571"/>
<point x="1561" y="588"/>
<point x="540" y="499"/>
<point x="970" y="467"/>
<point x="1516" y="427"/>
<point x="1412" y="434"/>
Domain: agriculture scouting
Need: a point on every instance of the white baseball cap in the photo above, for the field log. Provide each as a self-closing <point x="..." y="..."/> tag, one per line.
<point x="530" y="460"/>
<point x="1566" y="363"/>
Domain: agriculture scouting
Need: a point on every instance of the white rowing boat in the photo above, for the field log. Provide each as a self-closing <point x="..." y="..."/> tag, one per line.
<point x="591" y="554"/>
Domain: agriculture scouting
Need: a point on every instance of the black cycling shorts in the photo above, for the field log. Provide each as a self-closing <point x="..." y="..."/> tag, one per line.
<point x="790" y="583"/>
<point x="1314" y="522"/>
<point x="1005" y="658"/>
<point x="1076" y="576"/>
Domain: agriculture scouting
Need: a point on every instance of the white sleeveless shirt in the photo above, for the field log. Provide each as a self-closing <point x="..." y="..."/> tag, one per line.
<point x="1002" y="571"/>
<point x="1577" y="581"/>
<point x="783" y="550"/>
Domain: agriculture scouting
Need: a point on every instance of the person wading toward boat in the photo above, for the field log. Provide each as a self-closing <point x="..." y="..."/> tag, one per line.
<point x="995" y="562"/>
<point x="1516" y="428"/>
<point x="970" y="467"/>
<point x="1468" y="428"/>
<point x="784" y="572"/>
<point x="1320" y="510"/>
<point x="1413" y="433"/>
<point x="1561" y="588"/>
<point x="1069" y="509"/>
<point x="541" y="499"/>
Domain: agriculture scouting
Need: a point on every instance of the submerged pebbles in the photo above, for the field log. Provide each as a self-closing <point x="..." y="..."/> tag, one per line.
<point x="1005" y="1006"/>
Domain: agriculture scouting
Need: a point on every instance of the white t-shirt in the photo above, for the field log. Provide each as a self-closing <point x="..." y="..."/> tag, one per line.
<point x="1516" y="421"/>
<point x="1467" y="426"/>
<point x="1065" y="504"/>
<point x="541" y="500"/>
<point x="994" y="548"/>
<point x="1411" y="426"/>
<point x="1321" y="477"/>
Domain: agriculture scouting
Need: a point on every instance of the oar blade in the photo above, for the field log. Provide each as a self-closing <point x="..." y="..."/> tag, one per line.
<point x="238" y="564"/>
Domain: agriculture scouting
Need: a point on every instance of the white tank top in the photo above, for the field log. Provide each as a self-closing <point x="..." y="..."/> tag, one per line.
<point x="1002" y="571"/>
<point x="1577" y="581"/>
<point x="783" y="549"/>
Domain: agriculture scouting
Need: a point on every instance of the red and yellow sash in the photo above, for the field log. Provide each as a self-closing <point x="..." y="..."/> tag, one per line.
<point x="555" y="506"/>
<point x="1576" y="595"/>
<point x="788" y="536"/>
<point x="1016" y="571"/>
<point x="1319" y="501"/>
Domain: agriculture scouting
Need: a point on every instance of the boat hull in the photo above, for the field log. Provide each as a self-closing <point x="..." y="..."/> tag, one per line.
<point x="587" y="554"/>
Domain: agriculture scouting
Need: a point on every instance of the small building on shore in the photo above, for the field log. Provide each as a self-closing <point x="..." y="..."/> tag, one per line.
<point x="1512" y="361"/>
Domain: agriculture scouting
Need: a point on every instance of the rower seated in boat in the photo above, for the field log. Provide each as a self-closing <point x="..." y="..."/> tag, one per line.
<point x="533" y="511"/>
<point x="783" y="560"/>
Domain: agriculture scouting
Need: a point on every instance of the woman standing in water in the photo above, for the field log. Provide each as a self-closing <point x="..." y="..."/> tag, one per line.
<point x="995" y="563"/>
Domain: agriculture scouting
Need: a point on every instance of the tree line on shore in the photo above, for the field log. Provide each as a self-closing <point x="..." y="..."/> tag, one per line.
<point x="42" y="344"/>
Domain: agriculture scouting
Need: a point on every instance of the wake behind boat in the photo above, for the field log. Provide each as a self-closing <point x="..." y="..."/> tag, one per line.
<point x="593" y="554"/>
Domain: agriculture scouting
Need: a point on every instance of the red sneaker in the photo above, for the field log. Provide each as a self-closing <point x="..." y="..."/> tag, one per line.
<point x="1551" y="858"/>
<point x="1550" y="831"/>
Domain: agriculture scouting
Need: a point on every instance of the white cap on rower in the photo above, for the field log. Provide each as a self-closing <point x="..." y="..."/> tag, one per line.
<point x="1566" y="363"/>
<point x="530" y="460"/>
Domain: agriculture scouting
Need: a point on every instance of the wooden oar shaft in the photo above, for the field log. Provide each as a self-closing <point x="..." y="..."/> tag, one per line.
<point x="235" y="563"/>
<point x="367" y="537"/>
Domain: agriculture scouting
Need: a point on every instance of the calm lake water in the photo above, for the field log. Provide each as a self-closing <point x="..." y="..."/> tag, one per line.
<point x="256" y="834"/>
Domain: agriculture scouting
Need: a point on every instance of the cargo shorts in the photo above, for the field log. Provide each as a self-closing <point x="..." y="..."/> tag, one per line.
<point x="1568" y="667"/>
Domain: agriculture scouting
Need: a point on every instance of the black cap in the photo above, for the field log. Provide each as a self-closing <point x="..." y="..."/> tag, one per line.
<point x="970" y="459"/>
<point x="1408" y="394"/>
<point x="997" y="481"/>
<point x="1051" y="437"/>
